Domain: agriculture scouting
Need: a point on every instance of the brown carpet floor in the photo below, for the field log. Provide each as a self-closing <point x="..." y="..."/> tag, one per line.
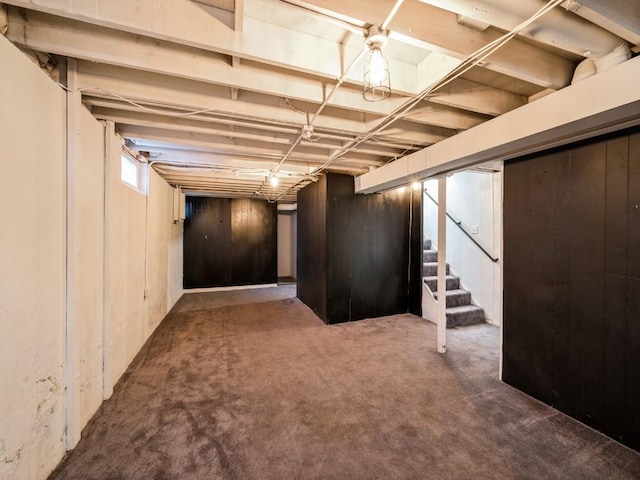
<point x="252" y="385"/>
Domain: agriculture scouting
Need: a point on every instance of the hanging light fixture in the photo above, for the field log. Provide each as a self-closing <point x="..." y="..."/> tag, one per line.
<point x="376" y="82"/>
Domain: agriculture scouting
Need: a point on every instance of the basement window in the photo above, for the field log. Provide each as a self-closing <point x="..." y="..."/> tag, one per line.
<point x="130" y="171"/>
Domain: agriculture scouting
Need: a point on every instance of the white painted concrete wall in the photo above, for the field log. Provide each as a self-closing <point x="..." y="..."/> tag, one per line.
<point x="125" y="268"/>
<point x="72" y="256"/>
<point x="32" y="269"/>
<point x="143" y="258"/>
<point x="474" y="198"/>
<point x="162" y="234"/>
<point x="287" y="244"/>
<point x="176" y="264"/>
<point x="86" y="262"/>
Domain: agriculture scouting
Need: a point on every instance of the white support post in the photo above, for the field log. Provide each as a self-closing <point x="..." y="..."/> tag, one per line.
<point x="442" y="265"/>
<point x="72" y="353"/>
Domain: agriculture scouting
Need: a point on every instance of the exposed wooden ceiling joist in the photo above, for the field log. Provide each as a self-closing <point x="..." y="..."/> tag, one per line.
<point x="229" y="86"/>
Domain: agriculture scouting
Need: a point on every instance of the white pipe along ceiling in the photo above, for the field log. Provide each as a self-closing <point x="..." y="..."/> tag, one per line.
<point x="219" y="96"/>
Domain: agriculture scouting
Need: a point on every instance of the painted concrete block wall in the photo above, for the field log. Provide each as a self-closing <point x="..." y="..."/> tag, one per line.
<point x="161" y="233"/>
<point x="125" y="267"/>
<point x="175" y="265"/>
<point x="471" y="199"/>
<point x="32" y="262"/>
<point x="143" y="258"/>
<point x="73" y="267"/>
<point x="287" y="244"/>
<point x="86" y="262"/>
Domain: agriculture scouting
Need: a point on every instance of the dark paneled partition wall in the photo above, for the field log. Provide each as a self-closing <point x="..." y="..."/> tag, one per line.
<point x="355" y="251"/>
<point x="229" y="242"/>
<point x="572" y="281"/>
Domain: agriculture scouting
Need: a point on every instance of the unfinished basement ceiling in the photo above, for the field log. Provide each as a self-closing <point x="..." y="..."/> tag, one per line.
<point x="216" y="94"/>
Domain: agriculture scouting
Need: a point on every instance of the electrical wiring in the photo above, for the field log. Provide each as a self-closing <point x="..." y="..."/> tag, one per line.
<point x="288" y="103"/>
<point x="465" y="65"/>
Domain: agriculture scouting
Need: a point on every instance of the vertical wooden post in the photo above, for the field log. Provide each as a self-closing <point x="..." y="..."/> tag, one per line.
<point x="442" y="265"/>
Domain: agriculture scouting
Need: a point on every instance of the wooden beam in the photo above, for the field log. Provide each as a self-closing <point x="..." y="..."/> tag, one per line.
<point x="440" y="31"/>
<point x="185" y="24"/>
<point x="82" y="41"/>
<point x="100" y="81"/>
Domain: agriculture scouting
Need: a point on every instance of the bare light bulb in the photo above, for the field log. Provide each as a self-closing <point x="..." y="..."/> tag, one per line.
<point x="274" y="181"/>
<point x="377" y="67"/>
<point x="416" y="185"/>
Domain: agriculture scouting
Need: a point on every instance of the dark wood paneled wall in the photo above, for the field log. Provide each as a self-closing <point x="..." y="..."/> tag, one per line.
<point x="311" y="254"/>
<point x="572" y="281"/>
<point x="357" y="261"/>
<point x="415" y="260"/>
<point x="229" y="242"/>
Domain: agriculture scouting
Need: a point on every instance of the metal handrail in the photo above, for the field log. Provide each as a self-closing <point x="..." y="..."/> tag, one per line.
<point x="459" y="225"/>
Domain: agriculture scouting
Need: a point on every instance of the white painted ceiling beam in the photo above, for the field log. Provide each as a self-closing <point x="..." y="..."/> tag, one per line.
<point x="184" y="155"/>
<point x="153" y="89"/>
<point x="445" y="117"/>
<point x="44" y="33"/>
<point x="38" y="31"/>
<point x="467" y="95"/>
<point x="150" y="136"/>
<point x="145" y="138"/>
<point x="190" y="95"/>
<point x="600" y="104"/>
<point x="96" y="104"/>
<point x="185" y="124"/>
<point x="439" y="30"/>
<point x="126" y="119"/>
<point x="187" y="157"/>
<point x="185" y="23"/>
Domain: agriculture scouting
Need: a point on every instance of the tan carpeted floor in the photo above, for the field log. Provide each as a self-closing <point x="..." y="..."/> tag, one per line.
<point x="252" y="385"/>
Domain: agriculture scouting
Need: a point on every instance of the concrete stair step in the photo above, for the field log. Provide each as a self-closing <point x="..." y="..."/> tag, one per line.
<point x="456" y="298"/>
<point x="453" y="282"/>
<point x="430" y="269"/>
<point x="463" y="316"/>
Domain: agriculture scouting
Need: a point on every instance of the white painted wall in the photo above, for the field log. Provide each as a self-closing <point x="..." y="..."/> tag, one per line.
<point x="474" y="198"/>
<point x="162" y="234"/>
<point x="175" y="265"/>
<point x="85" y="267"/>
<point x="143" y="258"/>
<point x="32" y="266"/>
<point x="287" y="238"/>
<point x="76" y="246"/>
<point x="124" y="267"/>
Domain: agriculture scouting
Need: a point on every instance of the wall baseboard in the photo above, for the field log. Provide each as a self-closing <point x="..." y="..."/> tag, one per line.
<point x="226" y="289"/>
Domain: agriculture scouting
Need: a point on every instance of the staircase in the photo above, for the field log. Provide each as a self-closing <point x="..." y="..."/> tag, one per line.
<point x="460" y="311"/>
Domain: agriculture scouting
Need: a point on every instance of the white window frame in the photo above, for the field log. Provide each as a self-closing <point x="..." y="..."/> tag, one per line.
<point x="129" y="163"/>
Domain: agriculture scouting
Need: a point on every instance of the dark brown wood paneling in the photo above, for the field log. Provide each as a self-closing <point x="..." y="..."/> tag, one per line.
<point x="415" y="253"/>
<point x="562" y="384"/>
<point x="517" y="304"/>
<point x="615" y="284"/>
<point x="632" y="361"/>
<point x="254" y="251"/>
<point x="311" y="261"/>
<point x="353" y="251"/>
<point x="229" y="242"/>
<point x="380" y="254"/>
<point x="340" y="201"/>
<point x="207" y="242"/>
<point x="586" y="285"/>
<point x="572" y="281"/>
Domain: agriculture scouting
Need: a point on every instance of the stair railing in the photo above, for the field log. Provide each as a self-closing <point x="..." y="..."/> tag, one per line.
<point x="459" y="225"/>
